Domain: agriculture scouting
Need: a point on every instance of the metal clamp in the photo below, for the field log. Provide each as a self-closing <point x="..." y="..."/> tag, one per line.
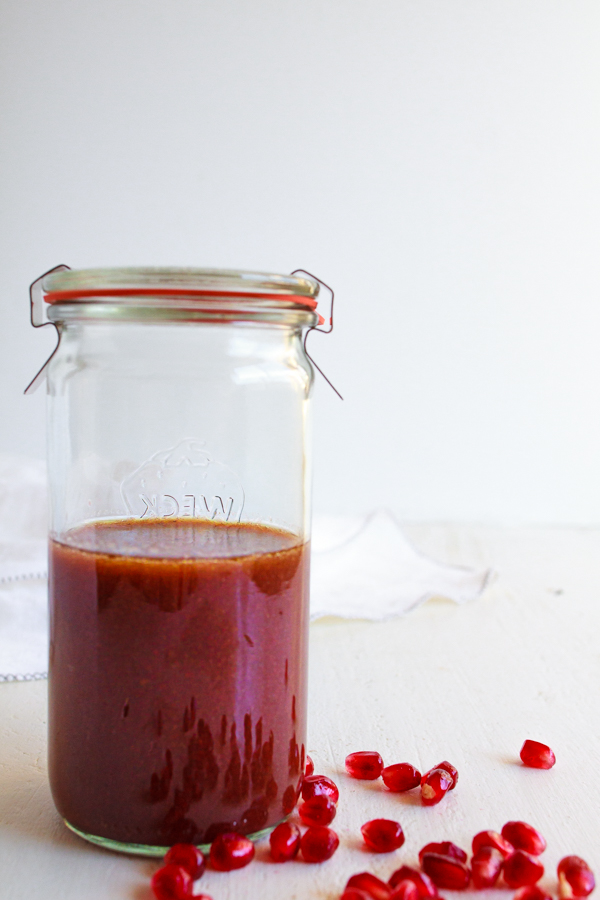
<point x="40" y="320"/>
<point x="317" y="328"/>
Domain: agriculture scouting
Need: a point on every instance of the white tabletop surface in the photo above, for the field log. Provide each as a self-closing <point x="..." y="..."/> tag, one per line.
<point x="463" y="683"/>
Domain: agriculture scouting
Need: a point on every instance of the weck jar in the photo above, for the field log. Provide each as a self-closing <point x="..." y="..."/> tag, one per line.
<point x="179" y="473"/>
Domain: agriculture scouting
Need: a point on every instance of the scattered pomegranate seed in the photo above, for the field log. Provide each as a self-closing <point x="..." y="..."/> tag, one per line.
<point x="319" y="786"/>
<point x="188" y="857"/>
<point x="405" y="890"/>
<point x="372" y="886"/>
<point x="401" y="777"/>
<point x="172" y="883"/>
<point x="231" y="851"/>
<point x="445" y="871"/>
<point x="423" y="882"/>
<point x="524" y="837"/>
<point x="310" y="766"/>
<point x="355" y="894"/>
<point x="447" y="767"/>
<point x="575" y="878"/>
<point x="492" y="839"/>
<point x="320" y="810"/>
<point x="365" y="764"/>
<point x="318" y="843"/>
<point x="434" y="786"/>
<point x="382" y="835"/>
<point x="536" y="755"/>
<point x="446" y="848"/>
<point x="285" y="842"/>
<point x="485" y="867"/>
<point x="521" y="868"/>
<point x="531" y="892"/>
<point x="452" y="770"/>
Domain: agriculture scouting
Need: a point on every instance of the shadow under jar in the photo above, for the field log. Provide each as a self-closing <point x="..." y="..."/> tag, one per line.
<point x="179" y="552"/>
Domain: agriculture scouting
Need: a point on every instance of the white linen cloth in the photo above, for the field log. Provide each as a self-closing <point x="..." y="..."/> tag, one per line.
<point x="361" y="568"/>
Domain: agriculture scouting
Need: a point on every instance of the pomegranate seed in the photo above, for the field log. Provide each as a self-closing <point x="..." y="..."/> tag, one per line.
<point x="188" y="857"/>
<point x="365" y="764"/>
<point x="521" y="868"/>
<point x="382" y="835"/>
<point x="524" y="837"/>
<point x="355" y="894"/>
<point x="405" y="890"/>
<point x="536" y="755"/>
<point x="172" y="883"/>
<point x="319" y="786"/>
<point x="423" y="882"/>
<point x="231" y="851"/>
<point x="320" y="810"/>
<point x="486" y="866"/>
<point x="575" y="878"/>
<point x="401" y="777"/>
<point x="445" y="871"/>
<point x="447" y="767"/>
<point x="318" y="843"/>
<point x="435" y="785"/>
<point x="372" y="886"/>
<point x="285" y="842"/>
<point x="492" y="839"/>
<point x="531" y="892"/>
<point x="310" y="766"/>
<point x="446" y="848"/>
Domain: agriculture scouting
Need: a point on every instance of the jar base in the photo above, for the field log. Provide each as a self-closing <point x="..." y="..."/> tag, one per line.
<point x="148" y="849"/>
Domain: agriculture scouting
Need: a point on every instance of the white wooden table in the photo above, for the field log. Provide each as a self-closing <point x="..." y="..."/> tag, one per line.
<point x="467" y="684"/>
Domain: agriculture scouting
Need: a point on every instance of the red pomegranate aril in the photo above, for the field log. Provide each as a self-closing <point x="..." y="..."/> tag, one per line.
<point x="401" y="777"/>
<point x="355" y="894"/>
<point x="309" y="767"/>
<point x="319" y="786"/>
<point x="575" y="878"/>
<point x="284" y="841"/>
<point x="447" y="767"/>
<point x="492" y="839"/>
<point x="373" y="886"/>
<point x="320" y="810"/>
<point x="188" y="857"/>
<point x="485" y="867"/>
<point x="172" y="883"/>
<point x="366" y="765"/>
<point x="521" y="868"/>
<point x="446" y="848"/>
<point x="524" y="837"/>
<point x="318" y="843"/>
<point x="445" y="871"/>
<point x="405" y="890"/>
<point x="422" y="882"/>
<point x="531" y="892"/>
<point x="435" y="785"/>
<point x="382" y="835"/>
<point x="452" y="770"/>
<point x="231" y="851"/>
<point x="536" y="755"/>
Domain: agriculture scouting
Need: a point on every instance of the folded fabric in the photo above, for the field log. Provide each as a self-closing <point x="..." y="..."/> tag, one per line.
<point x="377" y="574"/>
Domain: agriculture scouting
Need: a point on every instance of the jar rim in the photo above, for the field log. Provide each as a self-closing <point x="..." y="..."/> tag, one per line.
<point x="123" y="285"/>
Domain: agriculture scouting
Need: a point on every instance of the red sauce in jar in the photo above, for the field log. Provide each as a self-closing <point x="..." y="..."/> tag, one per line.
<point x="177" y="691"/>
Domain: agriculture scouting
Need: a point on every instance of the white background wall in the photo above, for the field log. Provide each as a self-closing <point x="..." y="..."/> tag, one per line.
<point x="436" y="161"/>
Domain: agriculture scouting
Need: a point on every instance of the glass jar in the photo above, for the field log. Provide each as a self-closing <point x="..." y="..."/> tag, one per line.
<point x="179" y="482"/>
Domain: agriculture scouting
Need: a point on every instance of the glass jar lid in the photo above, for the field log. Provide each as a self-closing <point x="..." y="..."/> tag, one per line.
<point x="133" y="285"/>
